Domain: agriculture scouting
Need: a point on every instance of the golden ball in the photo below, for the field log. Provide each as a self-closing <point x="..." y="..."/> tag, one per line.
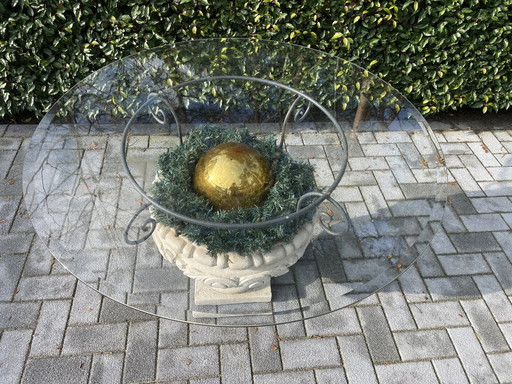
<point x="233" y="175"/>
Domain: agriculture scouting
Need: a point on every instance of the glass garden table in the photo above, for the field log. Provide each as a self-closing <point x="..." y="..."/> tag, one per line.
<point x="92" y="160"/>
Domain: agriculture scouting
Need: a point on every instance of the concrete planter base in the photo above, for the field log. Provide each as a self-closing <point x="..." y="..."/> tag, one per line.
<point x="230" y="278"/>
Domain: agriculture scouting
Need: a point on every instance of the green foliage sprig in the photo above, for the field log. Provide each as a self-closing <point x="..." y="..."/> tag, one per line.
<point x="174" y="190"/>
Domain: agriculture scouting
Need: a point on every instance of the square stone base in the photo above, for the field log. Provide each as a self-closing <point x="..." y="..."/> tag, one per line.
<point x="204" y="295"/>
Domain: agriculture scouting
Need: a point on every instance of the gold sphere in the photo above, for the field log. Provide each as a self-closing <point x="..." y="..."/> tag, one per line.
<point x="233" y="175"/>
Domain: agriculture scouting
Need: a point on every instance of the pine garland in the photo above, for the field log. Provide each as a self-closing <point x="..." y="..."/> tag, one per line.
<point x="174" y="190"/>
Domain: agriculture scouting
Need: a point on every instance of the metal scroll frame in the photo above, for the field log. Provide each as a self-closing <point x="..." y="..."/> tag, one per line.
<point x="299" y="115"/>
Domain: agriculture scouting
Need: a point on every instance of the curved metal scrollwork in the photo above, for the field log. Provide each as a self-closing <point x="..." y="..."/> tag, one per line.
<point x="301" y="113"/>
<point x="159" y="114"/>
<point x="156" y="112"/>
<point x="148" y="226"/>
<point x="326" y="218"/>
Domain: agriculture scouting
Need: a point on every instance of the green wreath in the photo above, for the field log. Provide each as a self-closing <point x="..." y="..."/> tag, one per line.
<point x="174" y="191"/>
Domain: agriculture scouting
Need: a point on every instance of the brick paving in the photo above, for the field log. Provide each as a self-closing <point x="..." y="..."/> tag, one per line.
<point x="446" y="320"/>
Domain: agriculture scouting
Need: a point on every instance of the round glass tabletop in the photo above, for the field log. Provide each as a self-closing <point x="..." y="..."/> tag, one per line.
<point x="92" y="166"/>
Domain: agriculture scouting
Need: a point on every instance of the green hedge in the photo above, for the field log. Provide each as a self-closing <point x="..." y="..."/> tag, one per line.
<point x="441" y="54"/>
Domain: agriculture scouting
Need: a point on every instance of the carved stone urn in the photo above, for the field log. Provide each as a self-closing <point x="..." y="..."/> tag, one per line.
<point x="231" y="278"/>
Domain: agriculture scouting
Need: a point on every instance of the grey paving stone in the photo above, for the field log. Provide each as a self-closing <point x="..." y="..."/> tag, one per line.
<point x="323" y="173"/>
<point x="346" y="194"/>
<point x="357" y="178"/>
<point x="485" y="326"/>
<point x="491" y="142"/>
<point x="330" y="376"/>
<point x="428" y="264"/>
<point x="302" y="152"/>
<point x="375" y="202"/>
<point x="86" y="305"/>
<point x="293" y="138"/>
<point x="441" y="243"/>
<point x="16" y="243"/>
<point x="367" y="163"/>
<point x="400" y="169"/>
<point x="461" y="205"/>
<point x="498" y="303"/>
<point x="95" y="338"/>
<point x="172" y="334"/>
<point x="502" y="364"/>
<point x="507" y="332"/>
<point x="13" y="350"/>
<point x="458" y="136"/>
<point x="39" y="260"/>
<point x="363" y="269"/>
<point x="21" y="222"/>
<point x="141" y="351"/>
<point x="396" y="309"/>
<point x="153" y="280"/>
<point x="199" y="334"/>
<point x="378" y="335"/>
<point x="20" y="130"/>
<point x="362" y="223"/>
<point x="51" y="325"/>
<point x="504" y="159"/>
<point x="485" y="222"/>
<point x="18" y="315"/>
<point x="508" y="218"/>
<point x="430" y="344"/>
<point x="411" y="208"/>
<point x="8" y="208"/>
<point x="57" y="370"/>
<point x="502" y="136"/>
<point x="10" y="186"/>
<point x="492" y="204"/>
<point x="475" y="242"/>
<point x="107" y="368"/>
<point x="309" y="286"/>
<point x="234" y="363"/>
<point x="356" y="360"/>
<point x="411" y="155"/>
<point x="265" y="357"/>
<point x="114" y="312"/>
<point x="303" y="377"/>
<point x="46" y="287"/>
<point x="413" y="372"/>
<point x="450" y="371"/>
<point x="470" y="187"/>
<point x="485" y="157"/>
<point x="505" y="241"/>
<point x="472" y="356"/>
<point x="388" y="149"/>
<point x="314" y="353"/>
<point x="475" y="167"/>
<point x="6" y="159"/>
<point x="187" y="362"/>
<point x="464" y="264"/>
<point x="10" y="143"/>
<point x="496" y="188"/>
<point x="393" y="137"/>
<point x="442" y="288"/>
<point x="320" y="138"/>
<point x="210" y="380"/>
<point x="342" y="322"/>
<point x="10" y="271"/>
<point x="413" y="286"/>
<point x="502" y="268"/>
<point x="439" y="315"/>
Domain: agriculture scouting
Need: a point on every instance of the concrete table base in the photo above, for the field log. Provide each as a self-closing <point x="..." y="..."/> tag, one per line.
<point x="230" y="278"/>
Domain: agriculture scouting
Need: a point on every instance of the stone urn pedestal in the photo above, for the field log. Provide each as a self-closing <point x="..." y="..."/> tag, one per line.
<point x="231" y="278"/>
